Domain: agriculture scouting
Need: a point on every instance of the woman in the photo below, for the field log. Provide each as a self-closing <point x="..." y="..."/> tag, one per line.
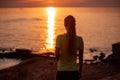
<point x="67" y="46"/>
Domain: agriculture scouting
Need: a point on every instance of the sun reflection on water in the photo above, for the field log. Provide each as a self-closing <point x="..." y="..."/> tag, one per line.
<point x="51" y="30"/>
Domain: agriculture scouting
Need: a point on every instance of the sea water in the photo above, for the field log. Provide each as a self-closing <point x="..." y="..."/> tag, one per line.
<point x="5" y="63"/>
<point x="31" y="28"/>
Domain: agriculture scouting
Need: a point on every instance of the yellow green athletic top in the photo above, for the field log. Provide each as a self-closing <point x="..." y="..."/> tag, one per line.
<point x="67" y="63"/>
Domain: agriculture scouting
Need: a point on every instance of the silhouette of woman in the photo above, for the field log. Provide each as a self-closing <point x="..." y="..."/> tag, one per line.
<point x="66" y="49"/>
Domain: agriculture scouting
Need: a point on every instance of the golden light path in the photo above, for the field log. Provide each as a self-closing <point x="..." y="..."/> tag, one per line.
<point x="50" y="25"/>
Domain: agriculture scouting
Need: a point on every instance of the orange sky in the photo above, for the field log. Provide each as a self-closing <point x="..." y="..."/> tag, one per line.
<point x="53" y="1"/>
<point x="58" y="2"/>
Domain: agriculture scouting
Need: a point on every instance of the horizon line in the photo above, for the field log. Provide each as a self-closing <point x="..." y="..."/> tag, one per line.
<point x="51" y="6"/>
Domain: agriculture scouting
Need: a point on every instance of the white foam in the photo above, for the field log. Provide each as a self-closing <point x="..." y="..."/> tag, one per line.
<point x="5" y="63"/>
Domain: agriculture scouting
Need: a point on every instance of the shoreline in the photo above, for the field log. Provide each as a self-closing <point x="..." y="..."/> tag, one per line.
<point x="45" y="68"/>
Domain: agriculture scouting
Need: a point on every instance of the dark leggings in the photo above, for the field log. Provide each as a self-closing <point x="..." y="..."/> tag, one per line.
<point x="67" y="75"/>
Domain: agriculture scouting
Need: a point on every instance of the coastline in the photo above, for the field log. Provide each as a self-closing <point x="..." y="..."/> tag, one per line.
<point x="44" y="68"/>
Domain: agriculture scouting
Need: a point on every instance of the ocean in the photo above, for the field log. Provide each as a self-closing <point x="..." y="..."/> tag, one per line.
<point x="37" y="28"/>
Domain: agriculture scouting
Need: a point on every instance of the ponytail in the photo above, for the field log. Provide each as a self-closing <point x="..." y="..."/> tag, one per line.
<point x="69" y="23"/>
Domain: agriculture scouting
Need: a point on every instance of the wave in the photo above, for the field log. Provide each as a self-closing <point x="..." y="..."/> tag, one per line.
<point x="20" y="19"/>
<point x="5" y="63"/>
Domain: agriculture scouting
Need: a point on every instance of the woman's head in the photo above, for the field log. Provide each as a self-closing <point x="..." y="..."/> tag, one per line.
<point x="69" y="22"/>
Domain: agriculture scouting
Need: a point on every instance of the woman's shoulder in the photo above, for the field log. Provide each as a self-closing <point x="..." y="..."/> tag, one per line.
<point x="61" y="35"/>
<point x="79" y="37"/>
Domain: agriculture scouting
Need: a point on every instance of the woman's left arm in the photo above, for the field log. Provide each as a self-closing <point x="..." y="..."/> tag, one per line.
<point x="57" y="53"/>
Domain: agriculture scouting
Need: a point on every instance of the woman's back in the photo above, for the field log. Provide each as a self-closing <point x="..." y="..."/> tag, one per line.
<point x="68" y="62"/>
<point x="67" y="46"/>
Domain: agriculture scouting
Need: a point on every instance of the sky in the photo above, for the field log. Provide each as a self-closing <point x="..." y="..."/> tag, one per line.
<point x="37" y="3"/>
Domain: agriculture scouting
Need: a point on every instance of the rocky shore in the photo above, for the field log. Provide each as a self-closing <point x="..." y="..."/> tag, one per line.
<point x="44" y="68"/>
<point x="39" y="67"/>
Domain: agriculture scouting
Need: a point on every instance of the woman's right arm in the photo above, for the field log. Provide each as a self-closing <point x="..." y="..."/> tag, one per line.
<point x="80" y="62"/>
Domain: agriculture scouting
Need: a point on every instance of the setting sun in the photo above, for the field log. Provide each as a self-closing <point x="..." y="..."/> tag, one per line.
<point x="50" y="24"/>
<point x="51" y="16"/>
